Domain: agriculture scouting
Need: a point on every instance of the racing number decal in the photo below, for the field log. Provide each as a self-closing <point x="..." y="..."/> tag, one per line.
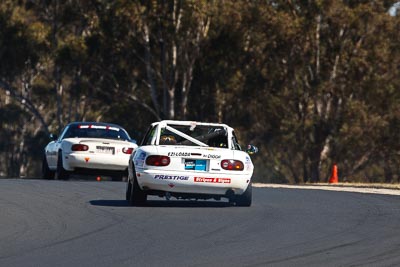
<point x="178" y="154"/>
<point x="212" y="180"/>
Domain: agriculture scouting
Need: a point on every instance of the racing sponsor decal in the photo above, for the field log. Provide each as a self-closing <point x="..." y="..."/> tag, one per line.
<point x="178" y="154"/>
<point x="139" y="160"/>
<point x="171" y="177"/>
<point x="196" y="164"/>
<point x="212" y="156"/>
<point x="142" y="155"/>
<point x="248" y="163"/>
<point x="190" y="164"/>
<point x="212" y="180"/>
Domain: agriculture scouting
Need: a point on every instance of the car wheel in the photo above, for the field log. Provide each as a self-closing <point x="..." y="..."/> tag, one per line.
<point x="128" y="190"/>
<point x="62" y="174"/>
<point x="46" y="172"/>
<point x="137" y="197"/>
<point x="244" y="200"/>
<point x="125" y="175"/>
<point x="121" y="176"/>
<point x="117" y="178"/>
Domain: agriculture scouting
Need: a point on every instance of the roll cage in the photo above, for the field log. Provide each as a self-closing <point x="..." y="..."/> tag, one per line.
<point x="189" y="133"/>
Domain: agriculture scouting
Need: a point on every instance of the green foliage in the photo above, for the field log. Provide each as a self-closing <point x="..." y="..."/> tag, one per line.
<point x="17" y="49"/>
<point x="309" y="82"/>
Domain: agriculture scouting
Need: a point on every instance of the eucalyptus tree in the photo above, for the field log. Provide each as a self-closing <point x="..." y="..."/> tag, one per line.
<point x="313" y="67"/>
<point x="170" y="36"/>
<point x="19" y="55"/>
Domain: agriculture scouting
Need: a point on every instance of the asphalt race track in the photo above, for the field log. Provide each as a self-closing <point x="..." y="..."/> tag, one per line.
<point x="87" y="223"/>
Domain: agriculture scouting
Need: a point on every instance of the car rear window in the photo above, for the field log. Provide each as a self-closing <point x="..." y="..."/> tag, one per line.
<point x="213" y="136"/>
<point x="96" y="131"/>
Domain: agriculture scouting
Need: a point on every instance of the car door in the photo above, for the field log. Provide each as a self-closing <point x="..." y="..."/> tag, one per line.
<point x="50" y="150"/>
<point x="53" y="147"/>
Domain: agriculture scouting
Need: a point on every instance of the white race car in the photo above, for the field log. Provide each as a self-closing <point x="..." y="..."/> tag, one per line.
<point x="88" y="148"/>
<point x="190" y="160"/>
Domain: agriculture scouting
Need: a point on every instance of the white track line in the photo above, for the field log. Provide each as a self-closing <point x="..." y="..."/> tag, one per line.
<point x="382" y="191"/>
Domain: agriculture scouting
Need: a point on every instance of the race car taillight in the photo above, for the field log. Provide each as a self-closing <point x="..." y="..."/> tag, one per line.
<point x="232" y="165"/>
<point x="127" y="150"/>
<point x="157" y="160"/>
<point x="79" y="147"/>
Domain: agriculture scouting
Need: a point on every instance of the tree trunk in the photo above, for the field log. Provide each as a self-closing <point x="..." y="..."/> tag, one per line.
<point x="26" y="102"/>
<point x="306" y="175"/>
<point x="22" y="159"/>
<point x="149" y="69"/>
<point x="59" y="92"/>
<point x="387" y="170"/>
<point x="314" y="170"/>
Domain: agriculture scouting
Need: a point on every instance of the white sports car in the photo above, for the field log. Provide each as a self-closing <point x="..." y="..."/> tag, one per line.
<point x="190" y="160"/>
<point x="88" y="148"/>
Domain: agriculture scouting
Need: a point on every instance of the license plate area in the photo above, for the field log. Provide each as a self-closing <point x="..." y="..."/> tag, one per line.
<point x="105" y="150"/>
<point x="196" y="164"/>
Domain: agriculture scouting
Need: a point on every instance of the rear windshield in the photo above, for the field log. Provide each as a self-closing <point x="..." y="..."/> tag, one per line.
<point x="96" y="131"/>
<point x="213" y="136"/>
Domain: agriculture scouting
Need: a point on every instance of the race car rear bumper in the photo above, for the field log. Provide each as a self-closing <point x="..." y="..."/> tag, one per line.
<point x="95" y="161"/>
<point x="193" y="182"/>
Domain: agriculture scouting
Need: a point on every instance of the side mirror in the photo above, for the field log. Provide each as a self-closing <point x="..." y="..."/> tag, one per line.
<point x="53" y="137"/>
<point x="251" y="149"/>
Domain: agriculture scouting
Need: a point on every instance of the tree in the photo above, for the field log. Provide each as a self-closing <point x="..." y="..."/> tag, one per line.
<point x="311" y="83"/>
<point x="170" y="36"/>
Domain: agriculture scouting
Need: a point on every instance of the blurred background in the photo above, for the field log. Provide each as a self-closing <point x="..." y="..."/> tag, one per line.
<point x="311" y="83"/>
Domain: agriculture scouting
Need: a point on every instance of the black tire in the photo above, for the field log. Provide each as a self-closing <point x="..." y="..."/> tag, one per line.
<point x="46" y="172"/>
<point x="121" y="176"/>
<point x="116" y="178"/>
<point x="137" y="196"/>
<point x="128" y="190"/>
<point x="244" y="200"/>
<point x="62" y="174"/>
